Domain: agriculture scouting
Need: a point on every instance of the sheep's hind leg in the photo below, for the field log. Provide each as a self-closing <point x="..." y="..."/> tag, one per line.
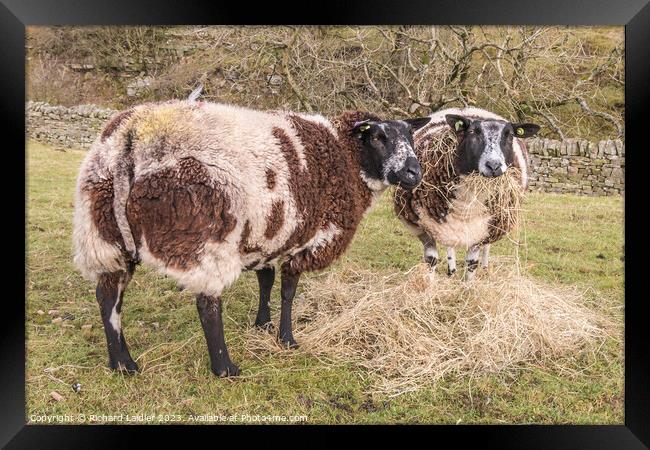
<point x="209" y="308"/>
<point x="430" y="250"/>
<point x="265" y="279"/>
<point x="287" y="292"/>
<point x="110" y="293"/>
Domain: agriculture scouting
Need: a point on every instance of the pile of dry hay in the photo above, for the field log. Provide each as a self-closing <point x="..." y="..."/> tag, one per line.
<point x="411" y="329"/>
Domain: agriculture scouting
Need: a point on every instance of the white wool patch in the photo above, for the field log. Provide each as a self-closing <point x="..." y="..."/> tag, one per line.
<point x="438" y="117"/>
<point x="219" y="266"/>
<point x="375" y="185"/>
<point x="322" y="237"/>
<point x="240" y="135"/>
<point x="429" y="130"/>
<point x="465" y="224"/>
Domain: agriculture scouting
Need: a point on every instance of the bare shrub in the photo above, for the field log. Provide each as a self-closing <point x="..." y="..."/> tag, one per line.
<point x="568" y="79"/>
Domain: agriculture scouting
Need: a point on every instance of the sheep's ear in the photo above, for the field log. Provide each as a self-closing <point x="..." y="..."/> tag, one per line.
<point x="418" y="123"/>
<point x="525" y="130"/>
<point x="359" y="128"/>
<point x="457" y="123"/>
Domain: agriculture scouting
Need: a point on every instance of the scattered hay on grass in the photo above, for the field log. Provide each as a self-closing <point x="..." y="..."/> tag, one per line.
<point x="411" y="329"/>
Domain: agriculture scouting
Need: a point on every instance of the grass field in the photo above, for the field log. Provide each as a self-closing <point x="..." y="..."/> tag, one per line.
<point x="570" y="240"/>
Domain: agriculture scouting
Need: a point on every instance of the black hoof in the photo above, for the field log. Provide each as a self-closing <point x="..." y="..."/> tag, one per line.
<point x="289" y="343"/>
<point x="265" y="326"/>
<point x="228" y="370"/>
<point x="128" y="367"/>
<point x="451" y="272"/>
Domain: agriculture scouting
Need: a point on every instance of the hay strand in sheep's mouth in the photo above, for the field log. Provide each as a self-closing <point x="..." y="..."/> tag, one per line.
<point x="502" y="196"/>
<point x="411" y="329"/>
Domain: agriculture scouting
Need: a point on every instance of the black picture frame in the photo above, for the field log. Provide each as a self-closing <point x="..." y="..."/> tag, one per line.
<point x="15" y="15"/>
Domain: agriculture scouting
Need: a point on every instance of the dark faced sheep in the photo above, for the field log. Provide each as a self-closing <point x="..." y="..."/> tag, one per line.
<point x="449" y="212"/>
<point x="202" y="191"/>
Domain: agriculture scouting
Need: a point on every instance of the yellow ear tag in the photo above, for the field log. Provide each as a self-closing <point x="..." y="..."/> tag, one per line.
<point x="364" y="127"/>
<point x="520" y="131"/>
<point x="459" y="125"/>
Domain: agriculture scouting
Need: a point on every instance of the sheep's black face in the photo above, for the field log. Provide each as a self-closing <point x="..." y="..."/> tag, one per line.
<point x="387" y="147"/>
<point x="485" y="146"/>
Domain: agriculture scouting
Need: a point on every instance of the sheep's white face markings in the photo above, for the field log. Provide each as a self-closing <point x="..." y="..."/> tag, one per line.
<point x="492" y="134"/>
<point x="403" y="150"/>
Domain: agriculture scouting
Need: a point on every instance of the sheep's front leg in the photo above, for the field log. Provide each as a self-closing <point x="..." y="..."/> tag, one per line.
<point x="430" y="250"/>
<point x="209" y="308"/>
<point x="110" y="293"/>
<point x="471" y="262"/>
<point x="485" y="255"/>
<point x="287" y="292"/>
<point x="451" y="261"/>
<point x="265" y="279"/>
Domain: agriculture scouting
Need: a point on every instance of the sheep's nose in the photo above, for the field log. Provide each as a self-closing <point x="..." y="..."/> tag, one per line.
<point x="495" y="167"/>
<point x="492" y="165"/>
<point x="413" y="170"/>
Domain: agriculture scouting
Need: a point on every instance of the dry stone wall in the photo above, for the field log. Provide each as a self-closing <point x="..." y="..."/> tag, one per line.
<point x="577" y="166"/>
<point x="573" y="165"/>
<point x="75" y="127"/>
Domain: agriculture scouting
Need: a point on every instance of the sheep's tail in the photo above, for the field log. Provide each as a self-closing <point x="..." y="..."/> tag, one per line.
<point x="196" y="93"/>
<point x="122" y="180"/>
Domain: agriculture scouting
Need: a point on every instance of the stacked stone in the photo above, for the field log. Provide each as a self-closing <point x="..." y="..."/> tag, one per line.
<point x="577" y="166"/>
<point x="74" y="127"/>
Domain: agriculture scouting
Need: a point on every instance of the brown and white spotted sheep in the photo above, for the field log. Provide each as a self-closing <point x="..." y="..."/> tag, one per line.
<point x="202" y="191"/>
<point x="450" y="214"/>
